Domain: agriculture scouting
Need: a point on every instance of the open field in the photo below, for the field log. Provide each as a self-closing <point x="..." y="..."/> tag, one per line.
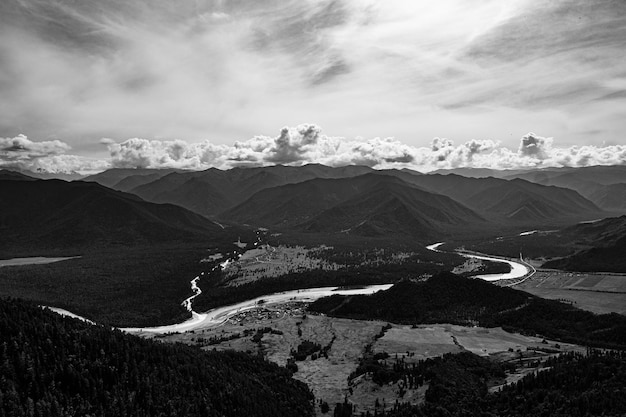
<point x="276" y="331"/>
<point x="599" y="293"/>
<point x="269" y="261"/>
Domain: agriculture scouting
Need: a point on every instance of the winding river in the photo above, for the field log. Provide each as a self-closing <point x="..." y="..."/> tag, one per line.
<point x="218" y="316"/>
<point x="519" y="269"/>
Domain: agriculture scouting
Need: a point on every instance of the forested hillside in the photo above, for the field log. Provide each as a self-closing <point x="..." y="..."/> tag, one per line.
<point x="54" y="216"/>
<point x="447" y="298"/>
<point x="571" y="385"/>
<point x="55" y="366"/>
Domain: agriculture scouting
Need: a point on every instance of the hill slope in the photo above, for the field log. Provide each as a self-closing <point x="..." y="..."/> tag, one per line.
<point x="367" y="205"/>
<point x="56" y="366"/>
<point x="603" y="185"/>
<point x="511" y="201"/>
<point x="213" y="191"/>
<point x="604" y="244"/>
<point x="111" y="177"/>
<point x="610" y="197"/>
<point x="79" y="215"/>
<point x="7" y="175"/>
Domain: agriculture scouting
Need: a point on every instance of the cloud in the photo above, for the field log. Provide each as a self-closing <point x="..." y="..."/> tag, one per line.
<point x="292" y="144"/>
<point x="224" y="70"/>
<point x="307" y="144"/>
<point x="20" y="147"/>
<point x="535" y="146"/>
<point x="22" y="153"/>
<point x="304" y="144"/>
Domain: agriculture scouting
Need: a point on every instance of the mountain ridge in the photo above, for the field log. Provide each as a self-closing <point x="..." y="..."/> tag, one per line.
<point x="80" y="215"/>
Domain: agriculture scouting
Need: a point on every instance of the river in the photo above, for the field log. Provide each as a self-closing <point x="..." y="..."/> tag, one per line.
<point x="35" y="260"/>
<point x="518" y="269"/>
<point x="219" y="315"/>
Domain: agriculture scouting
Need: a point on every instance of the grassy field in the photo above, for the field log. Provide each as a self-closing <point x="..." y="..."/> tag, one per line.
<point x="599" y="293"/>
<point x="413" y="343"/>
<point x="268" y="261"/>
<point x="348" y="339"/>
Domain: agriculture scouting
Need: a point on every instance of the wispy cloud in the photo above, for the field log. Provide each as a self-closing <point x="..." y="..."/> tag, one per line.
<point x="225" y="70"/>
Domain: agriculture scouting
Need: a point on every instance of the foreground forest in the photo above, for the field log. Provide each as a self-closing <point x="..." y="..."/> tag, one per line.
<point x="56" y="366"/>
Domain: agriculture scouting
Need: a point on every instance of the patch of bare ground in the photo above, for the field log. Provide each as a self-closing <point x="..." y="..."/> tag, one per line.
<point x="596" y="292"/>
<point x="328" y="378"/>
<point x="277" y="331"/>
<point x="290" y="326"/>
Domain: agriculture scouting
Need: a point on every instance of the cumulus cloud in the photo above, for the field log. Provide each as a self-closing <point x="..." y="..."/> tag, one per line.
<point x="291" y="145"/>
<point x="20" y="147"/>
<point x="307" y="144"/>
<point x="535" y="146"/>
<point x="22" y="153"/>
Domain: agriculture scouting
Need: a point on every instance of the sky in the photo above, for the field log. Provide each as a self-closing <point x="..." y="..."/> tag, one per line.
<point x="93" y="84"/>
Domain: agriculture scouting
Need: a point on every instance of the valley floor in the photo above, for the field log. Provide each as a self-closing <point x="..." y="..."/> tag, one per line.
<point x="277" y="331"/>
<point x="596" y="292"/>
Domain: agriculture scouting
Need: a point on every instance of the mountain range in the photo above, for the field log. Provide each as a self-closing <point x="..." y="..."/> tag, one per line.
<point x="368" y="205"/>
<point x="218" y="193"/>
<point x="124" y="179"/>
<point x="213" y="191"/>
<point x="605" y="186"/>
<point x="45" y="175"/>
<point x="155" y="205"/>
